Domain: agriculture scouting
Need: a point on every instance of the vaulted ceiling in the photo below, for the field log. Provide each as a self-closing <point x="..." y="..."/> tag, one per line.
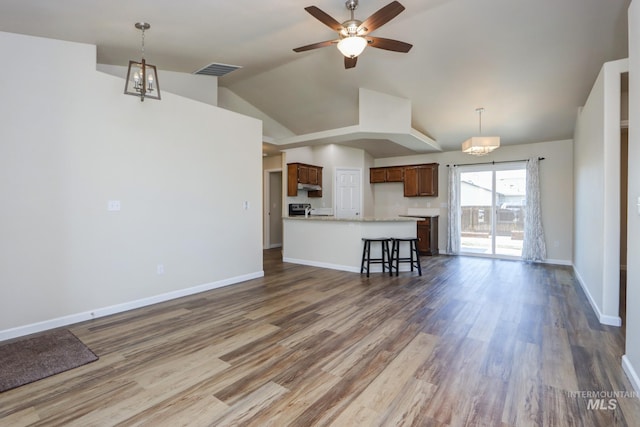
<point x="530" y="64"/>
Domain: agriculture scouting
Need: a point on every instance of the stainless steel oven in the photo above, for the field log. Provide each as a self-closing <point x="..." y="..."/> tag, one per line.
<point x="298" y="209"/>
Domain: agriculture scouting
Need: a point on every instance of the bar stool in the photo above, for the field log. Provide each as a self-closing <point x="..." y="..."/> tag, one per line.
<point x="395" y="255"/>
<point x="366" y="254"/>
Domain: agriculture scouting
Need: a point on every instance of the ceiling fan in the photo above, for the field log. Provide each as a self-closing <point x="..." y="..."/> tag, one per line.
<point x="354" y="34"/>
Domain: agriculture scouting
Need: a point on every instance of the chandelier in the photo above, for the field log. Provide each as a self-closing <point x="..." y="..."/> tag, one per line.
<point x="480" y="145"/>
<point x="142" y="78"/>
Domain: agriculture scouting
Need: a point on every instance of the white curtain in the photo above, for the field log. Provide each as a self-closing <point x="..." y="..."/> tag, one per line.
<point x="453" y="233"/>
<point x="533" y="246"/>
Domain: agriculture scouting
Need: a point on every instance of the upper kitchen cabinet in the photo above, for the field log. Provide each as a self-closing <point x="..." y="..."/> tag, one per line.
<point x="386" y="174"/>
<point x="421" y="180"/>
<point x="301" y="176"/>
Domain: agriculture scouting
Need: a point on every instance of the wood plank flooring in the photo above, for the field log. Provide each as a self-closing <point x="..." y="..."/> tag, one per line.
<point x="473" y="342"/>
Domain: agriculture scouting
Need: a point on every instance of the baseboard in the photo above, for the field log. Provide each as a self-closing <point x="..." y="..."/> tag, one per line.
<point x="627" y="367"/>
<point x="324" y="265"/>
<point x="119" y="308"/>
<point x="604" y="319"/>
<point x="558" y="262"/>
<point x="551" y="261"/>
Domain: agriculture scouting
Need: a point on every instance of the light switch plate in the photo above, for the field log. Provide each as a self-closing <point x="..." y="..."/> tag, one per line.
<point x="113" y="205"/>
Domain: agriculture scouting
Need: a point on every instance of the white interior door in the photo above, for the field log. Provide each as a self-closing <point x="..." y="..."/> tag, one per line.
<point x="348" y="193"/>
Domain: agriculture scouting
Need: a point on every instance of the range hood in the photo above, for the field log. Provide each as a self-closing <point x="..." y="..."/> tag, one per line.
<point x="309" y="187"/>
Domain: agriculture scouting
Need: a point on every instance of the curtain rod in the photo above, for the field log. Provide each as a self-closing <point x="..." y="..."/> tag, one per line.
<point x="495" y="163"/>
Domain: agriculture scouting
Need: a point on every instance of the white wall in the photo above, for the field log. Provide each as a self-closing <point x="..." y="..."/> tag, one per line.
<point x="631" y="359"/>
<point x="597" y="193"/>
<point x="271" y="128"/>
<point x="70" y="140"/>
<point x="556" y="186"/>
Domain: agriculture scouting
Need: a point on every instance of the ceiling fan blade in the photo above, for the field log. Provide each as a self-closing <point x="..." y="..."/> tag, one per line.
<point x="315" y="45"/>
<point x="389" y="44"/>
<point x="350" y="62"/>
<point x="324" y="18"/>
<point x="380" y="17"/>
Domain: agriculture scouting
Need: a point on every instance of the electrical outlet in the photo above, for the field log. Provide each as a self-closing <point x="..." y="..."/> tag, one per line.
<point x="160" y="269"/>
<point x="113" y="205"/>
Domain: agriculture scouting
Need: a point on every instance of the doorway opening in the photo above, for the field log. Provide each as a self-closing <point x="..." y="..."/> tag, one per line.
<point x="272" y="220"/>
<point x="624" y="196"/>
<point x="492" y="205"/>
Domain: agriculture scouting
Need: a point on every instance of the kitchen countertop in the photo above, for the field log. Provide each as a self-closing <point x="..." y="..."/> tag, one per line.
<point x="361" y="219"/>
<point x="418" y="216"/>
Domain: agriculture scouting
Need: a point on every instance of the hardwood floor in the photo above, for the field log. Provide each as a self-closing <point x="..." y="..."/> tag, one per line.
<point x="473" y="342"/>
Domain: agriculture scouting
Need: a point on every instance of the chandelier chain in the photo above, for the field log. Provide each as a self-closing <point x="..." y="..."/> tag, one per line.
<point x="142" y="42"/>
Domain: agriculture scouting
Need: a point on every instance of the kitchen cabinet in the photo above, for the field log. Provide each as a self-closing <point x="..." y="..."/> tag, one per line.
<point x="377" y="175"/>
<point x="315" y="174"/>
<point x="301" y="173"/>
<point x="428" y="236"/>
<point x="421" y="180"/>
<point x="386" y="174"/>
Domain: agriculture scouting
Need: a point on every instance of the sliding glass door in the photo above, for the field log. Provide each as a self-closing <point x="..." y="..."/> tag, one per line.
<point x="492" y="199"/>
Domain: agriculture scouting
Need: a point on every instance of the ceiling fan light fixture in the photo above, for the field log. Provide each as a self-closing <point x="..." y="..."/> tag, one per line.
<point x="352" y="46"/>
<point x="480" y="145"/>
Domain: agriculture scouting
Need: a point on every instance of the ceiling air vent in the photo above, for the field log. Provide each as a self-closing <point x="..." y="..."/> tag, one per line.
<point x="217" y="70"/>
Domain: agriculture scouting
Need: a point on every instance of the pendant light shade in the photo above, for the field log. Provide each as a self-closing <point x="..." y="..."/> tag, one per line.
<point x="142" y="78"/>
<point x="480" y="145"/>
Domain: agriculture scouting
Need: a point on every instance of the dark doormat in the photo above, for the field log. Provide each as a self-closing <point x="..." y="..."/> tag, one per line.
<point x="32" y="359"/>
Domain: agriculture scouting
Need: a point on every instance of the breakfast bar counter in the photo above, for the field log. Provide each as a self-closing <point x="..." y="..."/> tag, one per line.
<point x="336" y="243"/>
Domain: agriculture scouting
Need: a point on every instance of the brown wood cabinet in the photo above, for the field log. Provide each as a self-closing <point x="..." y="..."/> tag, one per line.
<point x="421" y="180"/>
<point x="386" y="174"/>
<point x="377" y="175"/>
<point x="301" y="173"/>
<point x="395" y="174"/>
<point x="315" y="174"/>
<point x="428" y="236"/>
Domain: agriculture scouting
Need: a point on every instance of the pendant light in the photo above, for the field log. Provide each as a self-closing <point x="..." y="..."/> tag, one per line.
<point x="480" y="145"/>
<point x="142" y="78"/>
